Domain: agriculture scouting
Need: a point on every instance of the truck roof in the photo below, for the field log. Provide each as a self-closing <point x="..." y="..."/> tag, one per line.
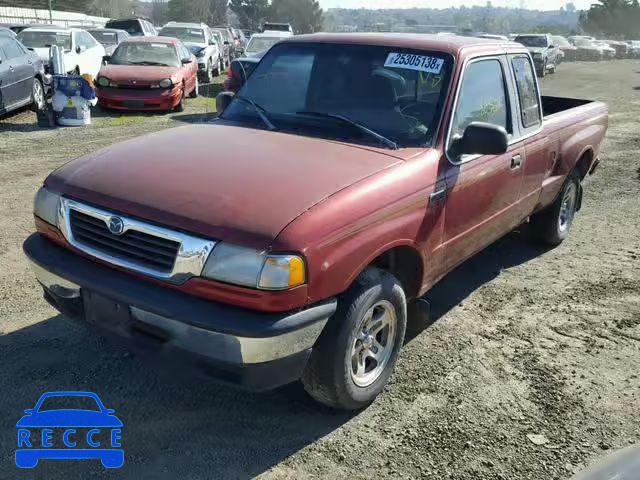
<point x="452" y="44"/>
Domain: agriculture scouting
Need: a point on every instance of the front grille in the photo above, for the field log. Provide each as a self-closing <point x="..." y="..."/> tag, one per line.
<point x="139" y="248"/>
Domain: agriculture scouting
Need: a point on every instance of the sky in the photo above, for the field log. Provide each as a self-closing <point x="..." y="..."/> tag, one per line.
<point x="532" y="4"/>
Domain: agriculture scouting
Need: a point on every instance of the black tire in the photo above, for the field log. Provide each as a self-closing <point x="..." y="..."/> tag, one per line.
<point x="547" y="226"/>
<point x="180" y="106"/>
<point x="208" y="77"/>
<point x="37" y="95"/>
<point x="329" y="376"/>
<point x="543" y="71"/>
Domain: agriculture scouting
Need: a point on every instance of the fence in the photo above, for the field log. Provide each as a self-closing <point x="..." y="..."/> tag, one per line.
<point x="64" y="19"/>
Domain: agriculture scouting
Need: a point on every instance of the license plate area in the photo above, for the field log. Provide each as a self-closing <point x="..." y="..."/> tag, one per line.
<point x="107" y="313"/>
<point x="134" y="103"/>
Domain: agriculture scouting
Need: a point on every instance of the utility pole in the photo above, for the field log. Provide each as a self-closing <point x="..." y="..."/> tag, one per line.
<point x="50" y="13"/>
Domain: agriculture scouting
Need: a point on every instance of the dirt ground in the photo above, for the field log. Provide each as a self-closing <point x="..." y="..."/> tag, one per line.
<point x="526" y="341"/>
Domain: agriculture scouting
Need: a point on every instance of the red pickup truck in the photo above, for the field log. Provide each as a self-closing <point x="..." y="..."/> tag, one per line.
<point x="357" y="170"/>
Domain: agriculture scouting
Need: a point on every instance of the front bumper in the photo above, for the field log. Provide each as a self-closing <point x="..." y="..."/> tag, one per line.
<point x="257" y="350"/>
<point x="139" y="99"/>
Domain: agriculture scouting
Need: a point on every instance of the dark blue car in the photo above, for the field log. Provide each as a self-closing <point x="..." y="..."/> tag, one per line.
<point x="100" y="418"/>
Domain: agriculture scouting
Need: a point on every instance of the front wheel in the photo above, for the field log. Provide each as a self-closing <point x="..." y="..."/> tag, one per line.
<point x="180" y="106"/>
<point x="552" y="225"/>
<point x="357" y="351"/>
<point x="37" y="95"/>
<point x="196" y="89"/>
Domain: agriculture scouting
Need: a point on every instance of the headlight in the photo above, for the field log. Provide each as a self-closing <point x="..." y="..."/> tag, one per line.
<point x="103" y="81"/>
<point x="255" y="269"/>
<point x="46" y="206"/>
<point x="166" y="83"/>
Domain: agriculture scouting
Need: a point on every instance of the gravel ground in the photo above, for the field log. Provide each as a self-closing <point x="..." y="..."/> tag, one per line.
<point x="526" y="342"/>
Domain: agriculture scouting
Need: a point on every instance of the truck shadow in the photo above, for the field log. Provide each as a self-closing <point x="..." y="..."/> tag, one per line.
<point x="509" y="251"/>
<point x="175" y="423"/>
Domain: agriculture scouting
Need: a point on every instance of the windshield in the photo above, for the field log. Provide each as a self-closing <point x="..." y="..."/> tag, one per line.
<point x="145" y="53"/>
<point x="105" y="38"/>
<point x="36" y="39"/>
<point x="224" y="33"/>
<point x="532" y="40"/>
<point x="260" y="44"/>
<point x="277" y="27"/>
<point x="193" y="35"/>
<point x="69" y="402"/>
<point x="396" y="93"/>
<point x="132" y="27"/>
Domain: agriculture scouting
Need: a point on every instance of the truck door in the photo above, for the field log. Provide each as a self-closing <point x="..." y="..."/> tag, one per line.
<point x="539" y="148"/>
<point x="481" y="191"/>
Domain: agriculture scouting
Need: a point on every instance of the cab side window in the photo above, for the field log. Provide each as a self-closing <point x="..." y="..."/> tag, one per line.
<point x="527" y="91"/>
<point x="83" y="39"/>
<point x="482" y="97"/>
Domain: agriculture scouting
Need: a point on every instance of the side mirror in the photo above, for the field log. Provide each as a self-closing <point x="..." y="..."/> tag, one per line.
<point x="482" y="139"/>
<point x="185" y="61"/>
<point x="226" y="42"/>
<point x="552" y="46"/>
<point x="223" y="99"/>
<point x="106" y="59"/>
<point x="80" y="49"/>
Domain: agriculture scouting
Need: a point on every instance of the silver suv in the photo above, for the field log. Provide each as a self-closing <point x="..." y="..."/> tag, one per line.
<point x="198" y="38"/>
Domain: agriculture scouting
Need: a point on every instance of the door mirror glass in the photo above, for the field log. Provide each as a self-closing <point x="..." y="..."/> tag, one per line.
<point x="185" y="61"/>
<point x="106" y="59"/>
<point x="480" y="139"/>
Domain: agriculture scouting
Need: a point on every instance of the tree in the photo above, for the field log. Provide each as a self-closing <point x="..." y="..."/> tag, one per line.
<point x="251" y="13"/>
<point x="305" y="16"/>
<point x="613" y="18"/>
<point x="212" y="12"/>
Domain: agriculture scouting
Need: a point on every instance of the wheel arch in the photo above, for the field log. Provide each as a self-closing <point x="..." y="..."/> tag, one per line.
<point x="404" y="261"/>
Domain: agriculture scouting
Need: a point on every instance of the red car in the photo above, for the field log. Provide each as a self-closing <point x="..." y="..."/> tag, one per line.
<point x="148" y="73"/>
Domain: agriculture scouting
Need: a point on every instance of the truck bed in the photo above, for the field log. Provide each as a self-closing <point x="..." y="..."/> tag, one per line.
<point x="553" y="105"/>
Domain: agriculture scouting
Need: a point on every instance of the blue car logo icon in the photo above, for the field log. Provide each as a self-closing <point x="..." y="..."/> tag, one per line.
<point x="92" y="433"/>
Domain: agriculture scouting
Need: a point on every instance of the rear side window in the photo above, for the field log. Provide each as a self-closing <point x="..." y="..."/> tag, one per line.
<point x="482" y="97"/>
<point x="527" y="91"/>
<point x="12" y="49"/>
<point x="132" y="27"/>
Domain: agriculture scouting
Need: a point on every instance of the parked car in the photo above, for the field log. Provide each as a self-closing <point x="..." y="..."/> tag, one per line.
<point x="404" y="157"/>
<point x="222" y="48"/>
<point x="21" y="76"/>
<point x="109" y="38"/>
<point x="135" y="27"/>
<point x="18" y="27"/>
<point x="586" y="49"/>
<point x="240" y="41"/>
<point x="261" y="42"/>
<point x="148" y="73"/>
<point x="277" y="27"/>
<point x="229" y="41"/>
<point x="607" y="51"/>
<point x="7" y="31"/>
<point x="568" y="51"/>
<point x="198" y="38"/>
<point x="82" y="53"/>
<point x="634" y="48"/>
<point x="622" y="48"/>
<point x="240" y="70"/>
<point x="546" y="56"/>
<point x="490" y="36"/>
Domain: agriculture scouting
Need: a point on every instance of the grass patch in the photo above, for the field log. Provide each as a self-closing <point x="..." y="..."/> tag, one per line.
<point x="126" y="120"/>
<point x="203" y="102"/>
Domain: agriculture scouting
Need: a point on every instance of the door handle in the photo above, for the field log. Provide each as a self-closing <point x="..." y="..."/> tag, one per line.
<point x="438" y="196"/>
<point x="11" y="68"/>
<point x="516" y="162"/>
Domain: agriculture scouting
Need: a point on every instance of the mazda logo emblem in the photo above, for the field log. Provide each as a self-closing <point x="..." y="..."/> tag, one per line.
<point x="116" y="225"/>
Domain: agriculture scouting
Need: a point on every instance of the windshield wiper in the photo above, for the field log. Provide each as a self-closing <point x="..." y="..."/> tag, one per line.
<point x="146" y="62"/>
<point x="258" y="109"/>
<point x="381" y="138"/>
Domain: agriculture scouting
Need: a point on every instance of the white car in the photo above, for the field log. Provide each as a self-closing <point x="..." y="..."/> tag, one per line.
<point x="82" y="53"/>
<point x="261" y="42"/>
<point x="199" y="39"/>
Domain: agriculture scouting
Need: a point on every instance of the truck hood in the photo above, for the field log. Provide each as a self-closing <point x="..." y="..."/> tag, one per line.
<point x="219" y="181"/>
<point x="536" y="49"/>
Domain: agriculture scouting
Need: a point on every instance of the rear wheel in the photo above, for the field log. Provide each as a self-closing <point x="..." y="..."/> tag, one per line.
<point x="552" y="225"/>
<point x="357" y="351"/>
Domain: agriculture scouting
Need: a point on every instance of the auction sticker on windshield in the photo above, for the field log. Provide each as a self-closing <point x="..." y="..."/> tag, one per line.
<point x="410" y="61"/>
